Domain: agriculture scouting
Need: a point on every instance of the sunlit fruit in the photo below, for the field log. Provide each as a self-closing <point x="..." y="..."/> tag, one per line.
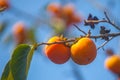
<point x="54" y="8"/>
<point x="57" y="53"/>
<point x="84" y="51"/>
<point x="19" y="32"/>
<point x="112" y="63"/>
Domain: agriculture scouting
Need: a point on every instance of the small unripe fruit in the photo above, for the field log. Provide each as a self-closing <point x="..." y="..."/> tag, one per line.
<point x="84" y="51"/>
<point x="57" y="53"/>
<point x="112" y="63"/>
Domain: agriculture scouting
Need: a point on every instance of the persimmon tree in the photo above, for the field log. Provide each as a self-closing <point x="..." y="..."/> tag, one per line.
<point x="59" y="49"/>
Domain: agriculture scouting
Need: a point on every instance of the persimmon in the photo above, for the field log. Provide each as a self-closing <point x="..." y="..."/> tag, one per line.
<point x="68" y="10"/>
<point x="112" y="63"/>
<point x="76" y="18"/>
<point x="54" y="8"/>
<point x="73" y="19"/>
<point x="84" y="51"/>
<point x="19" y="32"/>
<point x="4" y="4"/>
<point x="57" y="53"/>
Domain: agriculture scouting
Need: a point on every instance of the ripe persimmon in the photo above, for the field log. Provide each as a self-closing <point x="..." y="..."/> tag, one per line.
<point x="54" y="8"/>
<point x="4" y="4"/>
<point x="19" y="32"/>
<point x="76" y="18"/>
<point x="73" y="19"/>
<point x="84" y="51"/>
<point x="68" y="10"/>
<point x="112" y="63"/>
<point x="57" y="53"/>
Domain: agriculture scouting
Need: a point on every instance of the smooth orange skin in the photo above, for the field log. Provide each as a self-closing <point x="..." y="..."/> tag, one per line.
<point x="84" y="51"/>
<point x="57" y="53"/>
<point x="19" y="32"/>
<point x="4" y="3"/>
<point x="112" y="63"/>
<point x="54" y="8"/>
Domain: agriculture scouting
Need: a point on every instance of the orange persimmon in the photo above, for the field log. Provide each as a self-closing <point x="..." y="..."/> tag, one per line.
<point x="57" y="53"/>
<point x="19" y="32"/>
<point x="54" y="8"/>
<point x="4" y="4"/>
<point x="112" y="63"/>
<point x="84" y="51"/>
<point x="68" y="10"/>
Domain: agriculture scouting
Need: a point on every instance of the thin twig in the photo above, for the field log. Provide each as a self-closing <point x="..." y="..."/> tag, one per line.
<point x="80" y="29"/>
<point x="59" y="42"/>
<point x="102" y="45"/>
<point x="105" y="35"/>
<point x="73" y="40"/>
<point x="98" y="21"/>
<point x="107" y="16"/>
<point x="110" y="22"/>
<point x="95" y="21"/>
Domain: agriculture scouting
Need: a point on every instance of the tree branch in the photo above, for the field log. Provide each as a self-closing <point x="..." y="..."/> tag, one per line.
<point x="94" y="37"/>
<point x="107" y="20"/>
<point x="59" y="42"/>
<point x="104" y="43"/>
<point x="110" y="22"/>
<point x="94" y="21"/>
<point x="106" y="35"/>
<point x="80" y="29"/>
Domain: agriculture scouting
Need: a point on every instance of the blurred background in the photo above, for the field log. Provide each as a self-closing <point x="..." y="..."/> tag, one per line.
<point x="41" y="24"/>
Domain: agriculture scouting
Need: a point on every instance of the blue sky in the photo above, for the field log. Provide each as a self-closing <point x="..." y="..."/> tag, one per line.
<point x="43" y="69"/>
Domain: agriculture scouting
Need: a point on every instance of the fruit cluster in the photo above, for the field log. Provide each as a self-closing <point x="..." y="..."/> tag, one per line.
<point x="82" y="52"/>
<point x="65" y="12"/>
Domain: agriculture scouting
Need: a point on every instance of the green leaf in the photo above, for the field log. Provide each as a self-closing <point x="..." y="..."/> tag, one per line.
<point x="20" y="61"/>
<point x="18" y="66"/>
<point x="31" y="35"/>
<point x="29" y="57"/>
<point x="7" y="73"/>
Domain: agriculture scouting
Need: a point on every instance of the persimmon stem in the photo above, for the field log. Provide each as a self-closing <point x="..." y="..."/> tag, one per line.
<point x="58" y="42"/>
